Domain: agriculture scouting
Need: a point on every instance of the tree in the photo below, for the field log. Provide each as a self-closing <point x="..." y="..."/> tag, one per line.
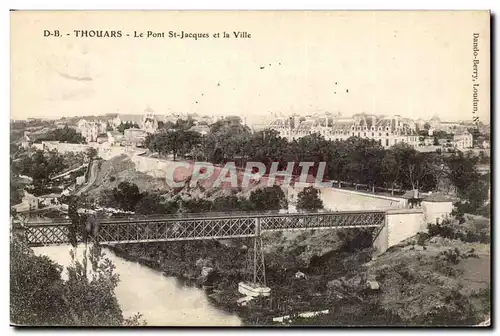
<point x="227" y="137"/>
<point x="126" y="196"/>
<point x="40" y="165"/>
<point x="65" y="134"/>
<point x="463" y="174"/>
<point x="391" y="170"/>
<point x="16" y="191"/>
<point x="195" y="205"/>
<point x="265" y="146"/>
<point x="427" y="126"/>
<point x="175" y="141"/>
<point x="126" y="125"/>
<point x="91" y="153"/>
<point x="417" y="170"/>
<point x="226" y="204"/>
<point x="361" y="161"/>
<point x="158" y="143"/>
<point x="308" y="199"/>
<point x="268" y="198"/>
<point x="35" y="288"/>
<point x="40" y="297"/>
<point x="152" y="203"/>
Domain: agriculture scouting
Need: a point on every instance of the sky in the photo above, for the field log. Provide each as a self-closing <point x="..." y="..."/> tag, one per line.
<point x="414" y="64"/>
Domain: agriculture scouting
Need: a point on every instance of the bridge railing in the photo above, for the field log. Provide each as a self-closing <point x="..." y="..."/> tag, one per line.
<point x="323" y="221"/>
<point x="215" y="226"/>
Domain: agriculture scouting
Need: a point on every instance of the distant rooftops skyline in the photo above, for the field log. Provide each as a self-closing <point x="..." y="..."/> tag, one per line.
<point x="263" y="118"/>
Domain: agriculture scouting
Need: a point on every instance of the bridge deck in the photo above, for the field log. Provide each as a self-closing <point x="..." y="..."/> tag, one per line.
<point x="198" y="226"/>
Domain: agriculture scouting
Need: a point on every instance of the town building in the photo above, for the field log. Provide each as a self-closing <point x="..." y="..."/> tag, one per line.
<point x="463" y="140"/>
<point x="386" y="130"/>
<point x="149" y="123"/>
<point x="115" y="137"/>
<point x="26" y="141"/>
<point x="451" y="127"/>
<point x="90" y="130"/>
<point x="115" y="122"/>
<point x="49" y="200"/>
<point x="201" y="129"/>
<point x="428" y="141"/>
<point x="135" y="136"/>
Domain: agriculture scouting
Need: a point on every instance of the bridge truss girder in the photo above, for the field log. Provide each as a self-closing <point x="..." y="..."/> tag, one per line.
<point x="202" y="228"/>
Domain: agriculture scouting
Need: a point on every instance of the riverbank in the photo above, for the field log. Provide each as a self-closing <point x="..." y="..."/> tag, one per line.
<point x="286" y="254"/>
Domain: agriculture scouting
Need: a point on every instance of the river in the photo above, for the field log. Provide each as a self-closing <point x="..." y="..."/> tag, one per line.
<point x="163" y="301"/>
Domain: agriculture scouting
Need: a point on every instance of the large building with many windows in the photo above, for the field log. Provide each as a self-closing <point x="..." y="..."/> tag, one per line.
<point x="90" y="130"/>
<point x="387" y="130"/>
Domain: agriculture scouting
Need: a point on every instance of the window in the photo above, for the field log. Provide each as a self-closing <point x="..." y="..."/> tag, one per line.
<point x="380" y="134"/>
<point x="386" y="134"/>
<point x="373" y="134"/>
<point x="364" y="134"/>
<point x="387" y="142"/>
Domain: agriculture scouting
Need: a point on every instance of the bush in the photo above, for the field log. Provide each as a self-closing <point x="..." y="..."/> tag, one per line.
<point x="452" y="256"/>
<point x="469" y="232"/>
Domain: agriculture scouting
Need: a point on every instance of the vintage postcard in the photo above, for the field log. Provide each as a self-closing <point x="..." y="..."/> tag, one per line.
<point x="250" y="168"/>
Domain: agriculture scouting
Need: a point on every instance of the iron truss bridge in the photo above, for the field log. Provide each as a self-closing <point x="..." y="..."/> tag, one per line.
<point x="207" y="226"/>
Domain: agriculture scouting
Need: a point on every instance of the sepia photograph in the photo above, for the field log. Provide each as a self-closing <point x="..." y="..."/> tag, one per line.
<point x="250" y="168"/>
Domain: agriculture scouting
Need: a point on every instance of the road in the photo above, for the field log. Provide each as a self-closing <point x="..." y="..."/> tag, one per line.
<point x="68" y="172"/>
<point x="94" y="168"/>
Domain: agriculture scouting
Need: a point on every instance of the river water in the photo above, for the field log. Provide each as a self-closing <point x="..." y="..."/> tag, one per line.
<point x="163" y="301"/>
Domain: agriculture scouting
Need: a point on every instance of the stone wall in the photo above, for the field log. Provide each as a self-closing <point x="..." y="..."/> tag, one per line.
<point x="335" y="199"/>
<point x="63" y="147"/>
<point x="400" y="224"/>
<point x="435" y="212"/>
<point x="108" y="152"/>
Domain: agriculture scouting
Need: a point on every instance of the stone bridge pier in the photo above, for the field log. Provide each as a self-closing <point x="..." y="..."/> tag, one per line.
<point x="400" y="224"/>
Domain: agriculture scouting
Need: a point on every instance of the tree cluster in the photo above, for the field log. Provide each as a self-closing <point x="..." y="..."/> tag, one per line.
<point x="355" y="160"/>
<point x="128" y="197"/>
<point x="65" y="134"/>
<point x="126" y="125"/>
<point x="471" y="187"/>
<point x="174" y="138"/>
<point x="40" y="297"/>
<point x="40" y="165"/>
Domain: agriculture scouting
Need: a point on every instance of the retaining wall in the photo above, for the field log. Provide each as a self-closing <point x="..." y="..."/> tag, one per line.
<point x="335" y="199"/>
<point x="400" y="224"/>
